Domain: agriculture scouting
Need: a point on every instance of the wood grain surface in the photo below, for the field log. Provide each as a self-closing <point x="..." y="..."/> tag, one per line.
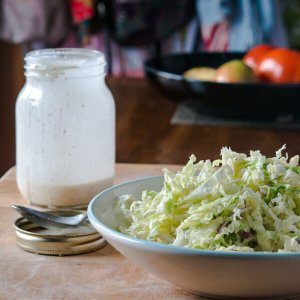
<point x="146" y="135"/>
<point x="104" y="274"/>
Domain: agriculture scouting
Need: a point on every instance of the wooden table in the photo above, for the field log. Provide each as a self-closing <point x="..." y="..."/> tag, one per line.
<point x="104" y="274"/>
<point x="145" y="133"/>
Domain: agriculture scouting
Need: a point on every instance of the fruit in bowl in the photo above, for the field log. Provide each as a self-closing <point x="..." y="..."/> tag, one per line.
<point x="201" y="73"/>
<point x="279" y="66"/>
<point x="274" y="65"/>
<point x="235" y="71"/>
<point x="262" y="63"/>
<point x="254" y="55"/>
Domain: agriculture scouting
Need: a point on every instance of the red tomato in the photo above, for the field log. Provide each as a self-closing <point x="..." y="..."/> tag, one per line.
<point x="253" y="56"/>
<point x="280" y="65"/>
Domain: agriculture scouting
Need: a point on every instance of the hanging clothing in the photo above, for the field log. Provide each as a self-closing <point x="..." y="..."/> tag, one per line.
<point x="28" y="21"/>
<point x="130" y="31"/>
<point x="237" y="25"/>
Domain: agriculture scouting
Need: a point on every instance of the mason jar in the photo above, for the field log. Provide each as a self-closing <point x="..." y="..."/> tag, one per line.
<point x="65" y="128"/>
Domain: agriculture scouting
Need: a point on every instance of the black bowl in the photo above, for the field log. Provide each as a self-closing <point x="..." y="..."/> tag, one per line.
<point x="259" y="100"/>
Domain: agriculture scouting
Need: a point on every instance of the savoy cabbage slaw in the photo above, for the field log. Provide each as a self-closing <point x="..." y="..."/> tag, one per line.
<point x="239" y="203"/>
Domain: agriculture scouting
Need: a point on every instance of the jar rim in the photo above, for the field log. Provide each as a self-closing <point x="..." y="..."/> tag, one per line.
<point x="47" y="62"/>
<point x="66" y="56"/>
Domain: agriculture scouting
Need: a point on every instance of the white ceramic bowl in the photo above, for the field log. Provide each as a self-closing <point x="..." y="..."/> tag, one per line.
<point x="216" y="274"/>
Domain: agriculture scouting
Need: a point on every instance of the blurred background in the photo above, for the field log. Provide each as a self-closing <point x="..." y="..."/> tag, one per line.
<point x="130" y="32"/>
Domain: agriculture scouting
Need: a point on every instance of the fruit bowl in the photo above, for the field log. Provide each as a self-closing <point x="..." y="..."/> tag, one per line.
<point x="217" y="274"/>
<point x="251" y="100"/>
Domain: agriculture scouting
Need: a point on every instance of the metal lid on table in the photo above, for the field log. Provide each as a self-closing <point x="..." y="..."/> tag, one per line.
<point x="59" y="241"/>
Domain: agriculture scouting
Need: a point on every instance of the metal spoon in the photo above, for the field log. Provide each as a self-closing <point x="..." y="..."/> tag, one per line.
<point x="48" y="220"/>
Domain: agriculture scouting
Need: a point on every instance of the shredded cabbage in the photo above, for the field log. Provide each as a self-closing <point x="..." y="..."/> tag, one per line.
<point x="237" y="203"/>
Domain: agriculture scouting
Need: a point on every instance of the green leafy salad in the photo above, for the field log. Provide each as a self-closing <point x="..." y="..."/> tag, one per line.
<point x="238" y="203"/>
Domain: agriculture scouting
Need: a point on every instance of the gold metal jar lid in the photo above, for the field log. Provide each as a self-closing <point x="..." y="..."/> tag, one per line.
<point x="62" y="241"/>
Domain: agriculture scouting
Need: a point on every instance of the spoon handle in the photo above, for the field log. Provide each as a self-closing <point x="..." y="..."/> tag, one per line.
<point x="47" y="217"/>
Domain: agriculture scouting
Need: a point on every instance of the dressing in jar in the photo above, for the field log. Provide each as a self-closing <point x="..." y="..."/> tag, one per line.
<point x="65" y="128"/>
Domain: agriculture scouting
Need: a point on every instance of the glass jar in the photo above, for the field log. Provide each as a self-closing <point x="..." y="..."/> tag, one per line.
<point x="65" y="128"/>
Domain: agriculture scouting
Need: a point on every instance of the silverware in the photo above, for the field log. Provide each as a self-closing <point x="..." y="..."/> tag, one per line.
<point x="48" y="220"/>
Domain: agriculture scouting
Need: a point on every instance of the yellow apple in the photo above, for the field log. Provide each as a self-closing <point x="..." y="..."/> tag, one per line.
<point x="235" y="71"/>
<point x="200" y="73"/>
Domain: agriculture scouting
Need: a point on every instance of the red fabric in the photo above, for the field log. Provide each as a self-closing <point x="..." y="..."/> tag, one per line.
<point x="215" y="37"/>
<point x="82" y="10"/>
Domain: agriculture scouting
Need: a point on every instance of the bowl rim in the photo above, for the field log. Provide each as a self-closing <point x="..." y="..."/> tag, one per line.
<point x="156" y="246"/>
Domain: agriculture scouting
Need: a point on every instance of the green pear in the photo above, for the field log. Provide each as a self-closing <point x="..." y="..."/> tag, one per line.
<point x="235" y="71"/>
